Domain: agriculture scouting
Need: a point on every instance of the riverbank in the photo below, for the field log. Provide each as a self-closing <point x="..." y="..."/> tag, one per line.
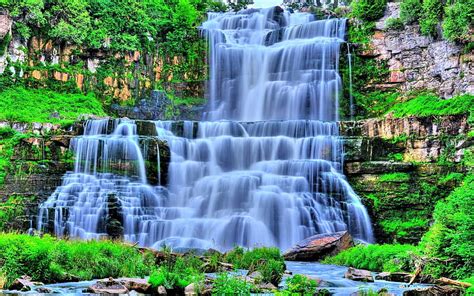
<point x="50" y="265"/>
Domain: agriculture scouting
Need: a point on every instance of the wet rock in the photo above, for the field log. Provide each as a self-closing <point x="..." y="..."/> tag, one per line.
<point x="161" y="291"/>
<point x="319" y="246"/>
<point x="107" y="286"/>
<point x="265" y="287"/>
<point x="402" y="277"/>
<point x="136" y="284"/>
<point x="24" y="283"/>
<point x="434" y="291"/>
<point x="255" y="275"/>
<point x="360" y="275"/>
<point x="44" y="290"/>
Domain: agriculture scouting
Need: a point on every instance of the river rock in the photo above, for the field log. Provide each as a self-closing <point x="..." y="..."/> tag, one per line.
<point x="360" y="275"/>
<point x="434" y="291"/>
<point x="107" y="286"/>
<point x="24" y="283"/>
<point x="402" y="277"/>
<point x="136" y="284"/>
<point x="190" y="290"/>
<point x="318" y="246"/>
<point x="161" y="291"/>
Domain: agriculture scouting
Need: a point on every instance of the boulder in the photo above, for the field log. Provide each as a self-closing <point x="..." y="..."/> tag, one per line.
<point x="268" y="287"/>
<point x="44" y="290"/>
<point x="136" y="284"/>
<point x="161" y="291"/>
<point x="190" y="290"/>
<point x="5" y="24"/>
<point x="435" y="291"/>
<point x="24" y="283"/>
<point x="107" y="286"/>
<point x="360" y="275"/>
<point x="317" y="247"/>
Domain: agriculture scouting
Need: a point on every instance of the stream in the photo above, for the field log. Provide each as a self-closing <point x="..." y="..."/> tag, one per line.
<point x="332" y="277"/>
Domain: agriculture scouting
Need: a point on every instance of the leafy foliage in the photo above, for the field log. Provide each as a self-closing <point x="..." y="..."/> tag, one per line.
<point x="226" y="284"/>
<point x="451" y="237"/>
<point x="37" y="105"/>
<point x="458" y="19"/>
<point x="411" y="11"/>
<point x="368" y="10"/>
<point x="394" y="24"/>
<point x="300" y="285"/>
<point x="268" y="261"/>
<point x="432" y="14"/>
<point x="50" y="260"/>
<point x="376" y="257"/>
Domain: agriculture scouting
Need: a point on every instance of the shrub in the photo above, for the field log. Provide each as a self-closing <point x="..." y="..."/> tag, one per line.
<point x="451" y="238"/>
<point x="301" y="285"/>
<point x="368" y="10"/>
<point x="226" y="284"/>
<point x="268" y="261"/>
<point x="432" y="14"/>
<point x="394" y="24"/>
<point x="458" y="19"/>
<point x="411" y="11"/>
<point x="376" y="257"/>
<point x="394" y="177"/>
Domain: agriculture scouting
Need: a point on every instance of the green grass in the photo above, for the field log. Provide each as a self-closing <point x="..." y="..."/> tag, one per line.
<point x="52" y="260"/>
<point x="429" y="104"/>
<point x="36" y="105"/>
<point x="376" y="257"/>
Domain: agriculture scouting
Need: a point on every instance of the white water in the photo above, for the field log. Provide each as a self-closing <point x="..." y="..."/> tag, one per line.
<point x="271" y="177"/>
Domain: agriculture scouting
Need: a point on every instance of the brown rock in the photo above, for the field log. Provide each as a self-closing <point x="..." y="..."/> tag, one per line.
<point x="402" y="277"/>
<point x="319" y="246"/>
<point x="360" y="275"/>
<point x="136" y="284"/>
<point x="24" y="283"/>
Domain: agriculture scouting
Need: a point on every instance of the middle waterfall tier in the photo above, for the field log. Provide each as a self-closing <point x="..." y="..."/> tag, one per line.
<point x="251" y="184"/>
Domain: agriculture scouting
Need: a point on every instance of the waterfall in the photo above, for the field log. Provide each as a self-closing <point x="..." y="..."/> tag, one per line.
<point x="265" y="169"/>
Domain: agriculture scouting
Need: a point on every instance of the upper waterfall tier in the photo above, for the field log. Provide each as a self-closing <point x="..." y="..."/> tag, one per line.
<point x="266" y="64"/>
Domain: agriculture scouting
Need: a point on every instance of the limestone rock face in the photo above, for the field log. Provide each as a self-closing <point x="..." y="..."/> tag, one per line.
<point x="360" y="275"/>
<point x="418" y="62"/>
<point x="5" y="24"/>
<point x="317" y="247"/>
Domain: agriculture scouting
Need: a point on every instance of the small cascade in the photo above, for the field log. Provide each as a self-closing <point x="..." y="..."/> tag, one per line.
<point x="265" y="169"/>
<point x="351" y="97"/>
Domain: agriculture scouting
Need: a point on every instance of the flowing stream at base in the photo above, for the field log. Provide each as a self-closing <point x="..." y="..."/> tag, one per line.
<point x="332" y="280"/>
<point x="264" y="170"/>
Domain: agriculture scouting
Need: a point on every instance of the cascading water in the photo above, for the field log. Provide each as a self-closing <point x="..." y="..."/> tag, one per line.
<point x="271" y="177"/>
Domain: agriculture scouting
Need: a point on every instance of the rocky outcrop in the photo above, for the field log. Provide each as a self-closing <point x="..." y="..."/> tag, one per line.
<point x="360" y="275"/>
<point x="418" y="62"/>
<point x="5" y="25"/>
<point x="24" y="283"/>
<point x="400" y="167"/>
<point x="317" y="247"/>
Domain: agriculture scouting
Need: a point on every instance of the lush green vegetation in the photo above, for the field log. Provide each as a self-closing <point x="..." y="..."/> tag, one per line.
<point x="429" y="104"/>
<point x="50" y="260"/>
<point x="268" y="261"/>
<point x="411" y="11"/>
<point x="179" y="272"/>
<point x="39" y="105"/>
<point x="300" y="285"/>
<point x="450" y="241"/>
<point x="368" y="10"/>
<point x="226" y="284"/>
<point x="376" y="257"/>
<point x="394" y="177"/>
